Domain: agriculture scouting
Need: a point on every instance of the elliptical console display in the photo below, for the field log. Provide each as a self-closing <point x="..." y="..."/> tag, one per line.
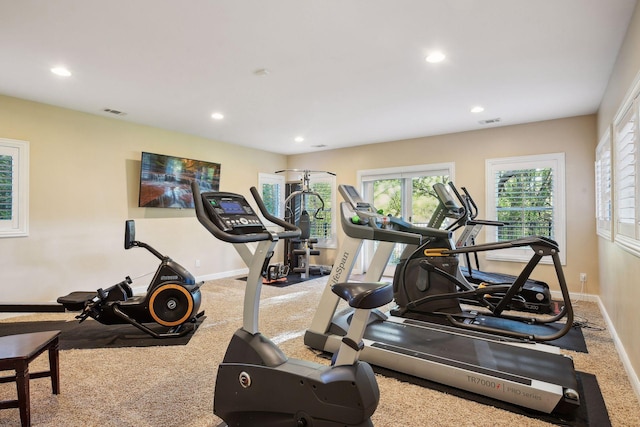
<point x="232" y="214"/>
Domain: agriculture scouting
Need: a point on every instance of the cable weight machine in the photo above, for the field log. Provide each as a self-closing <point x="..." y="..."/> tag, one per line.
<point x="303" y="206"/>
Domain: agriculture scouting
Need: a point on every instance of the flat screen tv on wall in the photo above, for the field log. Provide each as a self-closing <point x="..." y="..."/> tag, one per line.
<point x="165" y="181"/>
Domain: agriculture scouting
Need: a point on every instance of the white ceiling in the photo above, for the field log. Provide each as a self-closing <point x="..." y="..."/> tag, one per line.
<point x="341" y="72"/>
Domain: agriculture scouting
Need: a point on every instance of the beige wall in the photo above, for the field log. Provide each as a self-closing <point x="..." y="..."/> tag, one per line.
<point x="620" y="270"/>
<point x="84" y="177"/>
<point x="468" y="151"/>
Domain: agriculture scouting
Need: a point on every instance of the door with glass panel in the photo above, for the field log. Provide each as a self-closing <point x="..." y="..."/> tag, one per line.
<point x="406" y="194"/>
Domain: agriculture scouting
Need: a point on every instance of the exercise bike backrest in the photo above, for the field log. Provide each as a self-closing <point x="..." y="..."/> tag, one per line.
<point x="230" y="218"/>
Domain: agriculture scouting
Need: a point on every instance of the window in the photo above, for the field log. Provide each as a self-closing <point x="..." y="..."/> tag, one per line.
<point x="271" y="187"/>
<point x="322" y="224"/>
<point x="624" y="165"/>
<point x="603" y="186"/>
<point x="272" y="190"/>
<point x="527" y="193"/>
<point x="405" y="192"/>
<point x="625" y="131"/>
<point x="14" y="186"/>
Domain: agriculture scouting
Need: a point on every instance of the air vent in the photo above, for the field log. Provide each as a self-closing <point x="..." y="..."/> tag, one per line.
<point x="114" y="112"/>
<point x="319" y="146"/>
<point x="489" y="121"/>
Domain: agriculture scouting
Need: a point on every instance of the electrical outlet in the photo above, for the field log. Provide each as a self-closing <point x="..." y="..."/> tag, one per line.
<point x="197" y="263"/>
<point x="583" y="277"/>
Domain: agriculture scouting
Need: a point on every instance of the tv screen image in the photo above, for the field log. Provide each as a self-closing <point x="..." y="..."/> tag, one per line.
<point x="165" y="181"/>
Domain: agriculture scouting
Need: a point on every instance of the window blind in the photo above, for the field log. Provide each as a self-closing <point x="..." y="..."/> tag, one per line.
<point x="625" y="169"/>
<point x="320" y="226"/>
<point x="524" y="201"/>
<point x="603" y="184"/>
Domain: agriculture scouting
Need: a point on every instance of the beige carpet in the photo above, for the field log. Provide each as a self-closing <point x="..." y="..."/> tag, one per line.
<point x="173" y="385"/>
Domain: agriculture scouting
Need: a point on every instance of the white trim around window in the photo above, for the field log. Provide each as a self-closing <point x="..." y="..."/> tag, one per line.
<point x="604" y="186"/>
<point x="15" y="222"/>
<point x="277" y="183"/>
<point x="554" y="161"/>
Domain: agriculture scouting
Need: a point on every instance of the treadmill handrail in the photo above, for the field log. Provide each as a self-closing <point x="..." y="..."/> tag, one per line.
<point x="516" y="243"/>
<point x="372" y="231"/>
<point x="486" y="222"/>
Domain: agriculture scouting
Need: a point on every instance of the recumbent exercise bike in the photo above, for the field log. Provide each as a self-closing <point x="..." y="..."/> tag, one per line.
<point x="172" y="299"/>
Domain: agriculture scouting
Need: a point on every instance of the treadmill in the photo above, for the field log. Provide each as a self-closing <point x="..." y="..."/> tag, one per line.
<point x="535" y="377"/>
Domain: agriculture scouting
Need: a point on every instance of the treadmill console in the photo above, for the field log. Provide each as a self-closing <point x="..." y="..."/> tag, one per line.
<point x="232" y="213"/>
<point x="352" y="196"/>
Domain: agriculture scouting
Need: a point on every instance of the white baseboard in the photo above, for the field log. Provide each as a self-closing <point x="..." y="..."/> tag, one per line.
<point x="631" y="373"/>
<point x="223" y="275"/>
<point x="575" y="297"/>
<point x="203" y="278"/>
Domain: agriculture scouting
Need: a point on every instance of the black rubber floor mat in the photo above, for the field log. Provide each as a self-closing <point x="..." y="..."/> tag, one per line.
<point x="93" y="334"/>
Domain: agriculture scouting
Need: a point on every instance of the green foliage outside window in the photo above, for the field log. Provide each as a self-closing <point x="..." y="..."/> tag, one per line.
<point x="320" y="223"/>
<point x="387" y="195"/>
<point x="270" y="197"/>
<point x="525" y="203"/>
<point x="6" y="185"/>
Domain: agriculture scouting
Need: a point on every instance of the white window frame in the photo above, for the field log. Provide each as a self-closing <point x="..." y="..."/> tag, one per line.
<point x="604" y="186"/>
<point x="368" y="176"/>
<point x="272" y="179"/>
<point x="626" y="178"/>
<point x="556" y="161"/>
<point x="18" y="225"/>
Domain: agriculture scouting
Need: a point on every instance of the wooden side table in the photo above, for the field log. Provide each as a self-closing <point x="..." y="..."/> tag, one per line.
<point x="16" y="352"/>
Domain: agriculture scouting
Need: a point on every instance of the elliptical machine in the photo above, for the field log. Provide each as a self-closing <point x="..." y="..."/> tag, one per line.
<point x="429" y="287"/>
<point x="534" y="295"/>
<point x="172" y="299"/>
<point x="256" y="383"/>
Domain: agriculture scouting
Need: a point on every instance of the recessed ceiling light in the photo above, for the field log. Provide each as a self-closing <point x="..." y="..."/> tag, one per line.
<point x="261" y="72"/>
<point x="298" y="139"/>
<point x="217" y="116"/>
<point x="435" y="57"/>
<point x="477" y="109"/>
<point x="61" y="71"/>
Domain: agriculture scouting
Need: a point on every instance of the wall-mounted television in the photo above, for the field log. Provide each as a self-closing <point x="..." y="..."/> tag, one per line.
<point x="165" y="181"/>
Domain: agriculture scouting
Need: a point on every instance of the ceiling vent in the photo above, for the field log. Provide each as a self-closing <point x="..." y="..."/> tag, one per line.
<point x="489" y="121"/>
<point x="114" y="112"/>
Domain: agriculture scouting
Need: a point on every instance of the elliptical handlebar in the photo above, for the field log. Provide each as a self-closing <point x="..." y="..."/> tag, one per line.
<point x="471" y="204"/>
<point x="291" y="231"/>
